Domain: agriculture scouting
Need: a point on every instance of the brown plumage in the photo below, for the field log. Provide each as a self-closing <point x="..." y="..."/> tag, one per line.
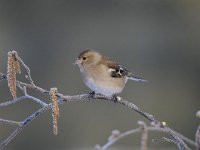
<point x="101" y="74"/>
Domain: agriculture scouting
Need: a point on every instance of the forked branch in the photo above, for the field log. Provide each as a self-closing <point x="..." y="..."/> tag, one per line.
<point x="58" y="98"/>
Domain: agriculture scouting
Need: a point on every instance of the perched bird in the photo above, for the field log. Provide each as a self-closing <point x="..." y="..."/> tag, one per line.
<point x="101" y="74"/>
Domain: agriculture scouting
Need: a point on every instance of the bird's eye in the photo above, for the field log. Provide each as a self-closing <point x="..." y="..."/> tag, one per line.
<point x="84" y="58"/>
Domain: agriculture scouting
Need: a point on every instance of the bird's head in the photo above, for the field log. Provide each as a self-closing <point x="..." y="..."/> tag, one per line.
<point x="88" y="57"/>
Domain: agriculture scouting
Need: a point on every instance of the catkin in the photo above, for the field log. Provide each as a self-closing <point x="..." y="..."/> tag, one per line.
<point x="13" y="67"/>
<point x="55" y="109"/>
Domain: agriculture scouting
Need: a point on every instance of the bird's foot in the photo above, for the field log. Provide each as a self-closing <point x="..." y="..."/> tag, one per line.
<point x="91" y="95"/>
<point x="115" y="98"/>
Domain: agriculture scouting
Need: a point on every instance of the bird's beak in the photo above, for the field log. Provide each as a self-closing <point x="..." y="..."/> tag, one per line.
<point x="77" y="62"/>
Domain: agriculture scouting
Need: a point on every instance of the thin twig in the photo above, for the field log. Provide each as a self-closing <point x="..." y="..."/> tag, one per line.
<point x="2" y="76"/>
<point x="134" y="107"/>
<point x="37" y="100"/>
<point x="11" y="102"/>
<point x="170" y="141"/>
<point x="197" y="138"/>
<point x="180" y="143"/>
<point x="164" y="139"/>
<point x="27" y="69"/>
<point x="144" y="136"/>
<point x="12" y="135"/>
<point x="189" y="141"/>
<point x="34" y="98"/>
<point x="23" y="124"/>
<point x="84" y="97"/>
<point x="130" y="132"/>
<point x="122" y="135"/>
<point x="10" y="122"/>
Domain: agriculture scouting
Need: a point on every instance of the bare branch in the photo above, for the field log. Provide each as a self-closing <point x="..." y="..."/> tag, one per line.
<point x="180" y="143"/>
<point x="130" y="132"/>
<point x="9" y="139"/>
<point x="27" y="69"/>
<point x="176" y="137"/>
<point x="11" y="102"/>
<point x="2" y="76"/>
<point x="84" y="97"/>
<point x="197" y="135"/>
<point x="197" y="138"/>
<point x="187" y="140"/>
<point x="144" y="136"/>
<point x="37" y="100"/>
<point x="10" y="122"/>
<point x="164" y="139"/>
<point x="170" y="141"/>
<point x="122" y="135"/>
<point x="23" y="124"/>
<point x="138" y="109"/>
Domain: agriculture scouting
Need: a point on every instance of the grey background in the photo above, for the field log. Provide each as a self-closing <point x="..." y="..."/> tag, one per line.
<point x="157" y="40"/>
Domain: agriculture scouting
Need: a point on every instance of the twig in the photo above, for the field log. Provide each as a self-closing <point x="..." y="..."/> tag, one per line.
<point x="137" y="130"/>
<point x="197" y="138"/>
<point x="9" y="139"/>
<point x="34" y="98"/>
<point x="134" y="107"/>
<point x="169" y="141"/>
<point x="120" y="136"/>
<point x="2" y="76"/>
<point x="83" y="97"/>
<point x="197" y="135"/>
<point x="10" y="122"/>
<point x="179" y="142"/>
<point x="189" y="141"/>
<point x="164" y="139"/>
<point x="23" y="124"/>
<point x="27" y="69"/>
<point x="11" y="102"/>
<point x="178" y="138"/>
<point x="144" y="136"/>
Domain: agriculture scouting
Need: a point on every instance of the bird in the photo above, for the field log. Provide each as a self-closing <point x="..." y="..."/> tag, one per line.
<point x="103" y="75"/>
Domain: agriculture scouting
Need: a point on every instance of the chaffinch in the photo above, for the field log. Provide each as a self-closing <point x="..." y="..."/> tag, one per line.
<point x="101" y="74"/>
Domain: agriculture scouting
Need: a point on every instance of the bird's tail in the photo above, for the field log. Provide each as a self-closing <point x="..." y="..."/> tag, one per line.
<point x="131" y="77"/>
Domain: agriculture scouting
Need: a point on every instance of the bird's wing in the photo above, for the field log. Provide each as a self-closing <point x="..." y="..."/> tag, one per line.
<point x="117" y="71"/>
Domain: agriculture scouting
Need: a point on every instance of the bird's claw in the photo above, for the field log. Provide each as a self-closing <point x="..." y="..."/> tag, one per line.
<point x="115" y="98"/>
<point x="91" y="95"/>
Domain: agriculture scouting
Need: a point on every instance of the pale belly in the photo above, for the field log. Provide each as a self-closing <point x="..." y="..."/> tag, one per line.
<point x="106" y="87"/>
<point x="102" y="84"/>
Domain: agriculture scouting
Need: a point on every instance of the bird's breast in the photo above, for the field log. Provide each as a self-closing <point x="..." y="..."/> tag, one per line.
<point x="100" y="81"/>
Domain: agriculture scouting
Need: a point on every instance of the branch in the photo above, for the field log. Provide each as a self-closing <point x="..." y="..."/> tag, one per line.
<point x="113" y="138"/>
<point x="11" y="102"/>
<point x="144" y="136"/>
<point x="197" y="135"/>
<point x="10" y="122"/>
<point x="197" y="138"/>
<point x="159" y="126"/>
<point x="169" y="141"/>
<point x="84" y="97"/>
<point x="28" y="76"/>
<point x="2" y="76"/>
